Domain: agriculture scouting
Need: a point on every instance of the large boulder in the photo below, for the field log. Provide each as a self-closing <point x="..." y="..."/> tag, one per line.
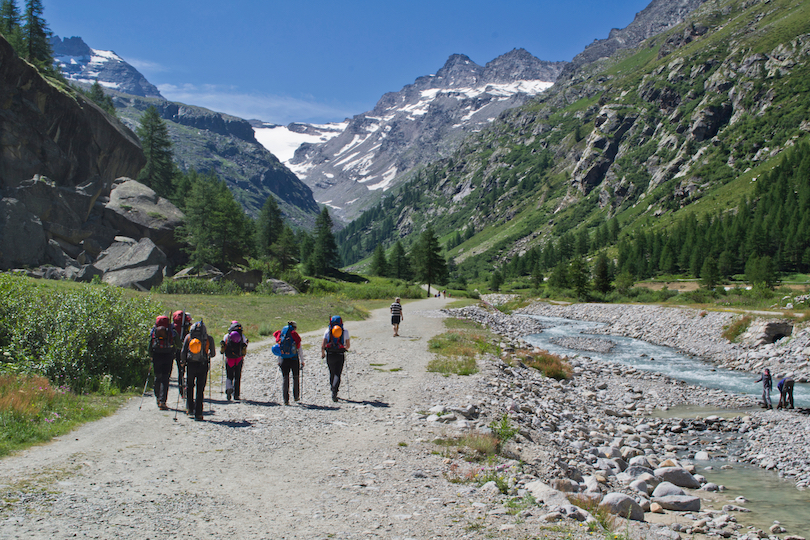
<point x="135" y="210"/>
<point x="678" y="476"/>
<point x="622" y="505"/>
<point x="247" y="280"/>
<point x="139" y="265"/>
<point x="679" y="503"/>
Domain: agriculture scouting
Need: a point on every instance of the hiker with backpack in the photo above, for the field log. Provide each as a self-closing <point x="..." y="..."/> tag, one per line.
<point x="182" y="322"/>
<point x="234" y="347"/>
<point x="198" y="349"/>
<point x="333" y="348"/>
<point x="161" y="348"/>
<point x="288" y="350"/>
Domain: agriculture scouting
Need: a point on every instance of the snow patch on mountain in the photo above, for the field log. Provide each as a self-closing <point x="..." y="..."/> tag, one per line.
<point x="424" y="121"/>
<point x="283" y="141"/>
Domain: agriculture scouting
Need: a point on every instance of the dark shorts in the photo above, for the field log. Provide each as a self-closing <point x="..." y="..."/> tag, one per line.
<point x="395" y="319"/>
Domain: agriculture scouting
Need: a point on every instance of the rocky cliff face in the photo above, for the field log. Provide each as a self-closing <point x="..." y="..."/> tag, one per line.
<point x="78" y="62"/>
<point x="59" y="158"/>
<point x="423" y="121"/>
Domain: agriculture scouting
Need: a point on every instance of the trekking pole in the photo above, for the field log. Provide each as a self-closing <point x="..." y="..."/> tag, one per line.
<point x="143" y="394"/>
<point x="177" y="405"/>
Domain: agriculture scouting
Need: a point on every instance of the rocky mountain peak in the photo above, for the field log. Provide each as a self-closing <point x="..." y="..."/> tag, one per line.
<point x="82" y="64"/>
<point x="72" y="46"/>
<point x="459" y="70"/>
<point x="520" y="64"/>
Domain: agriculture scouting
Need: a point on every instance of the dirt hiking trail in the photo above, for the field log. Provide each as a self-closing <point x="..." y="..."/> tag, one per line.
<point x="258" y="469"/>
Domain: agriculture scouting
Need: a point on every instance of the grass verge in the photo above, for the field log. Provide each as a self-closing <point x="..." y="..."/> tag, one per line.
<point x="32" y="411"/>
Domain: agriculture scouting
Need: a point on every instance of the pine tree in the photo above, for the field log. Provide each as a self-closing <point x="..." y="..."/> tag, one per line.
<point x="426" y="255"/>
<point x="157" y="147"/>
<point x="398" y="264"/>
<point x="36" y="37"/>
<point x="325" y="254"/>
<point x="379" y="264"/>
<point x="10" y="26"/>
<point x="601" y="274"/>
<point x="269" y="226"/>
<point x="285" y="249"/>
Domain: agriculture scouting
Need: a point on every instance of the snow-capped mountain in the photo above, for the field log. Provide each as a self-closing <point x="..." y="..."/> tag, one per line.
<point x="423" y="121"/>
<point x="78" y="62"/>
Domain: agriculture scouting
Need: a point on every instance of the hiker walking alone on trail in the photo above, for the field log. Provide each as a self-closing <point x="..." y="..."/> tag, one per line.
<point x="334" y="346"/>
<point x="767" y="385"/>
<point x="182" y="322"/>
<point x="198" y="349"/>
<point x="161" y="348"/>
<point x="290" y="359"/>
<point x="396" y="315"/>
<point x="785" y="386"/>
<point x="234" y="347"/>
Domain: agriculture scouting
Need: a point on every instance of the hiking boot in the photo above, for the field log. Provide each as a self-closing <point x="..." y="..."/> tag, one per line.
<point x="198" y="418"/>
<point x="286" y="403"/>
<point x="162" y="406"/>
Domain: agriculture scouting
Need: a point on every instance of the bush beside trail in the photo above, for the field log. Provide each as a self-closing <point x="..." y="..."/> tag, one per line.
<point x="85" y="338"/>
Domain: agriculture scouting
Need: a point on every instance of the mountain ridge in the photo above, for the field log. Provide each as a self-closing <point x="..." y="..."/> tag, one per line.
<point x="424" y="120"/>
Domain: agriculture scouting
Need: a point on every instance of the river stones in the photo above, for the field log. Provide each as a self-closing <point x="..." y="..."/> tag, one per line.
<point x="622" y="505"/>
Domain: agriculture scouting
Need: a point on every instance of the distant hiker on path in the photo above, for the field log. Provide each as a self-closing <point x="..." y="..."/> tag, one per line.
<point x="182" y="322"/>
<point x="334" y="346"/>
<point x="289" y="359"/>
<point x="767" y="385"/>
<point x="785" y="386"/>
<point x="198" y="349"/>
<point x="396" y="315"/>
<point x="161" y="347"/>
<point x="234" y="347"/>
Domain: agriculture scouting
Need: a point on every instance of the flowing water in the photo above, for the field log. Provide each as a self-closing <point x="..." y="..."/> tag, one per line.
<point x="655" y="358"/>
<point x="769" y="496"/>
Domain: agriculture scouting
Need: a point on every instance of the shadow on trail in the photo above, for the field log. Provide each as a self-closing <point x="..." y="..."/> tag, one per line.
<point x="314" y="407"/>
<point x="230" y="423"/>
<point x="376" y="403"/>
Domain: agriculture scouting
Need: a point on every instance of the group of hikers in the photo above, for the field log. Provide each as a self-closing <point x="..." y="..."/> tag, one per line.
<point x="785" y="387"/>
<point x="177" y="340"/>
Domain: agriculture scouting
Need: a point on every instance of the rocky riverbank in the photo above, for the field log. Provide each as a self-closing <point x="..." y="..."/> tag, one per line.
<point x="596" y="436"/>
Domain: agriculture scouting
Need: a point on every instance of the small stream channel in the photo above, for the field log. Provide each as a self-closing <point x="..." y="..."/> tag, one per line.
<point x="769" y="496"/>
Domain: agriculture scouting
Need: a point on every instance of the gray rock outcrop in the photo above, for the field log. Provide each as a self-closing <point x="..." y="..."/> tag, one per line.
<point x="130" y="264"/>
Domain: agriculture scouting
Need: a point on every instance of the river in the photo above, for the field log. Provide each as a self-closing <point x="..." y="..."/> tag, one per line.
<point x="654" y="358"/>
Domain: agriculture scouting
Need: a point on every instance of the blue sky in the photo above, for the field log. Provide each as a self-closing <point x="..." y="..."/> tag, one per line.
<point x="317" y="61"/>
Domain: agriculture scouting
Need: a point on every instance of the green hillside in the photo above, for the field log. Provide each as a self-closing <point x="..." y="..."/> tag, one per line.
<point x="684" y="126"/>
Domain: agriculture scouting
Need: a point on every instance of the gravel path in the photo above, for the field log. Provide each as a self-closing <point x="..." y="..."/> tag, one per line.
<point x="360" y="468"/>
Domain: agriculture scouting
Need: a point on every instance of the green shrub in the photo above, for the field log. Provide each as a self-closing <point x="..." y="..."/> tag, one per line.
<point x="75" y="337"/>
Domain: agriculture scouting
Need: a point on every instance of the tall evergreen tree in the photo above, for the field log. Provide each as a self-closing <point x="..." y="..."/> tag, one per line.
<point x="36" y="37"/>
<point x="579" y="278"/>
<point x="269" y="226"/>
<point x="157" y="147"/>
<point x="398" y="264"/>
<point x="601" y="274"/>
<point x="10" y="25"/>
<point x="428" y="262"/>
<point x="285" y="249"/>
<point x="216" y="229"/>
<point x="379" y="264"/>
<point x="325" y="253"/>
